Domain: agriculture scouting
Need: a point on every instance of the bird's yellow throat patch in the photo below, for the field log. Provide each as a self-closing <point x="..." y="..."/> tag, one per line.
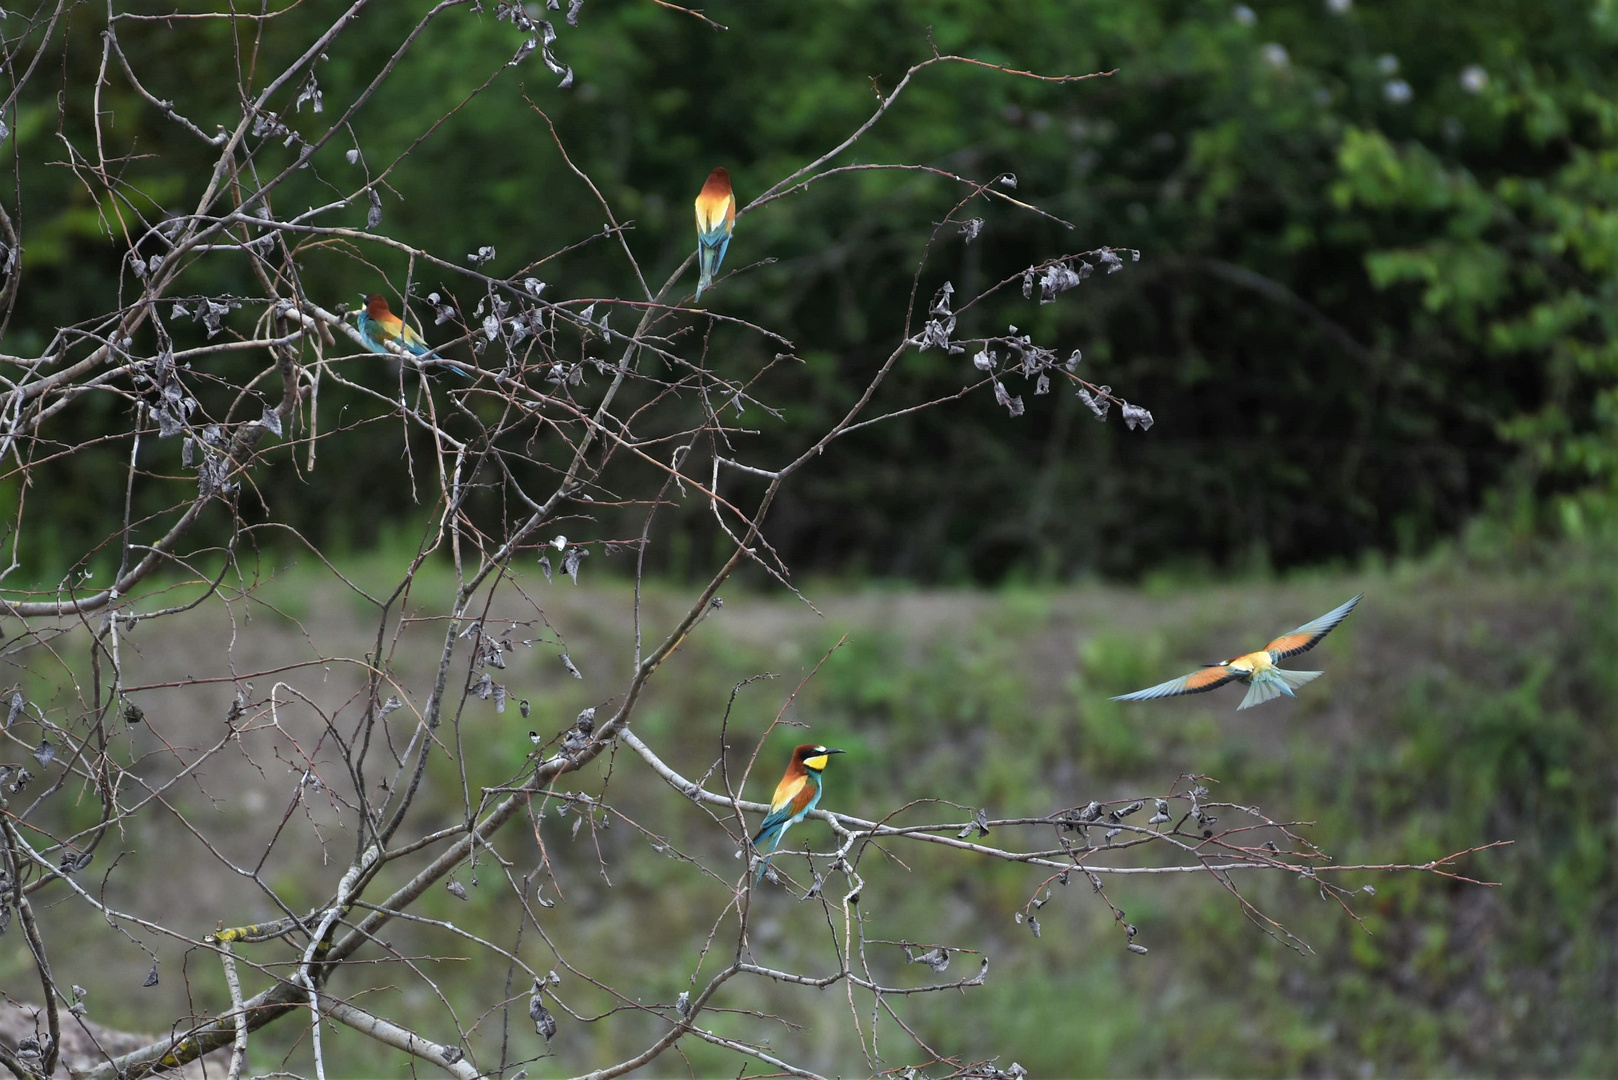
<point x="816" y="763"/>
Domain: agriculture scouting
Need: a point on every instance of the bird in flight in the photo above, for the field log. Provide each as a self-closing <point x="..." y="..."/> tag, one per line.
<point x="796" y="795"/>
<point x="716" y="218"/>
<point x="1256" y="670"/>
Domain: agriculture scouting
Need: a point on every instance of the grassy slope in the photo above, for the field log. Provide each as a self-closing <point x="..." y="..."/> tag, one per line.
<point x="1460" y="706"/>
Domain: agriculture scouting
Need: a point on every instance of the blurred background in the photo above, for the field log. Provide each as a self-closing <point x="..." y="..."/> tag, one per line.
<point x="1373" y="316"/>
<point x="1374" y="300"/>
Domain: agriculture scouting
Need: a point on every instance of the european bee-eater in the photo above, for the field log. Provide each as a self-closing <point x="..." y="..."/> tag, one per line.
<point x="716" y="219"/>
<point x="379" y="326"/>
<point x="1258" y="670"/>
<point x="796" y="795"/>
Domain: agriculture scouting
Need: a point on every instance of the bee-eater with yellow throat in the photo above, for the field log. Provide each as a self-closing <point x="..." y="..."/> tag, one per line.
<point x="796" y="795"/>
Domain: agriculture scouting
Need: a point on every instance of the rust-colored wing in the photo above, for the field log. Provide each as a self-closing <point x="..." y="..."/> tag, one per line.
<point x="1309" y="634"/>
<point x="804" y="796"/>
<point x="1195" y="683"/>
<point x="788" y="791"/>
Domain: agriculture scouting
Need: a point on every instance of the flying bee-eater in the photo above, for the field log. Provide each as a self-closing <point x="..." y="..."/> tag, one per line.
<point x="379" y="327"/>
<point x="796" y="795"/>
<point x="1258" y="670"/>
<point x="716" y="219"/>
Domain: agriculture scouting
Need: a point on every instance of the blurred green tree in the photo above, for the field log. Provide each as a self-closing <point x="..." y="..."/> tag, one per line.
<point x="1375" y="286"/>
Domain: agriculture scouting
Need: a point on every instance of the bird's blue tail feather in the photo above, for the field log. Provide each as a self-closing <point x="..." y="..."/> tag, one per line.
<point x="1271" y="684"/>
<point x="710" y="254"/>
<point x="767" y="840"/>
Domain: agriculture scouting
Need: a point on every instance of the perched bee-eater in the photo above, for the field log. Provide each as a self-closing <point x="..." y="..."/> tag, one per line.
<point x="379" y="326"/>
<point x="716" y="218"/>
<point x="796" y="795"/>
<point x="1257" y="669"/>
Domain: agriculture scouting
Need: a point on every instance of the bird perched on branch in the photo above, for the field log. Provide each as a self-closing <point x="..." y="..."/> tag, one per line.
<point x="796" y="795"/>
<point x="1257" y="670"/>
<point x="716" y="218"/>
<point x="379" y="327"/>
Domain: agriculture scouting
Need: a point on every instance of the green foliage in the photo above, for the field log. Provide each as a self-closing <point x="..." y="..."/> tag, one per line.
<point x="1461" y="705"/>
<point x="1520" y="260"/>
<point x="1378" y="254"/>
<point x="1109" y="737"/>
<point x="1468" y="707"/>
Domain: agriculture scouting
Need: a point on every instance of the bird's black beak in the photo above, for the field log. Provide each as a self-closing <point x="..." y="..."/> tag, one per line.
<point x="829" y="750"/>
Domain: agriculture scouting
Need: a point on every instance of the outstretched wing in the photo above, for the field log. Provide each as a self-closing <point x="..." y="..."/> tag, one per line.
<point x="1195" y="683"/>
<point x="1309" y="634"/>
